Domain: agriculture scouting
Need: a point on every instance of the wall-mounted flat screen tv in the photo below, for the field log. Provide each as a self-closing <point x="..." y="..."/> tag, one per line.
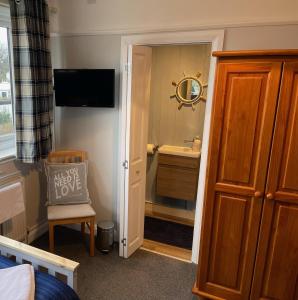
<point x="84" y="87"/>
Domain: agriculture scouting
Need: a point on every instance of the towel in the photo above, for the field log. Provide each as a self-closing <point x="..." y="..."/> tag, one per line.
<point x="17" y="283"/>
<point x="11" y="201"/>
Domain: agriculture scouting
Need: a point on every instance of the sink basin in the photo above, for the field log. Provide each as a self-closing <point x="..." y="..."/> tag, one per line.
<point x="180" y="151"/>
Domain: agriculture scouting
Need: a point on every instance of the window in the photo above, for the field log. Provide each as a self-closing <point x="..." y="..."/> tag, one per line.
<point x="7" y="128"/>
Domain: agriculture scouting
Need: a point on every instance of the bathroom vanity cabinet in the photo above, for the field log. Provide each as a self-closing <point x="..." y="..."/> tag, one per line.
<point x="177" y="176"/>
<point x="249" y="236"/>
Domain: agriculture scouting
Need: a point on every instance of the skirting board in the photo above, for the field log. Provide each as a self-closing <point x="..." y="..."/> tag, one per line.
<point x="36" y="231"/>
<point x="77" y="227"/>
<point x="169" y="213"/>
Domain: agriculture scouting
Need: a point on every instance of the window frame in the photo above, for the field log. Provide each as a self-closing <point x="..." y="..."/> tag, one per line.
<point x="5" y="21"/>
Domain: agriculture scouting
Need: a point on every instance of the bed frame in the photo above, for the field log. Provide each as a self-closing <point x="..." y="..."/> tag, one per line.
<point x="40" y="260"/>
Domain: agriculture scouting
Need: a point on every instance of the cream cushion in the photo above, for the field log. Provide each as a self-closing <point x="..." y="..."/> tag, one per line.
<point x="58" y="212"/>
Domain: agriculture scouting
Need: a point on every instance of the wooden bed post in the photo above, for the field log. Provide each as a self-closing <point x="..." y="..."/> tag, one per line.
<point x="72" y="280"/>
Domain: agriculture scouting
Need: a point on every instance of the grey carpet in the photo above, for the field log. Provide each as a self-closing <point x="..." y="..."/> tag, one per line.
<point x="143" y="276"/>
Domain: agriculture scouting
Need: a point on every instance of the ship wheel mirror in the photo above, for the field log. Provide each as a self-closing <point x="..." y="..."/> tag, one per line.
<point x="189" y="91"/>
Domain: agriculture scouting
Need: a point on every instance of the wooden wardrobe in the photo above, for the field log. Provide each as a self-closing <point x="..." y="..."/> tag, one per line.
<point x="249" y="238"/>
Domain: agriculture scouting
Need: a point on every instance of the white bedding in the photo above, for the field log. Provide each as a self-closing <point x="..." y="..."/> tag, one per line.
<point x="17" y="283"/>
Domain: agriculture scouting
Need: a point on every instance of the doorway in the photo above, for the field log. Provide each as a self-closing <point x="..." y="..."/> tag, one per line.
<point x="128" y="230"/>
<point x="178" y="92"/>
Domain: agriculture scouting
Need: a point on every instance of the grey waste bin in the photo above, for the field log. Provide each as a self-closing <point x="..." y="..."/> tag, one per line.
<point x="105" y="236"/>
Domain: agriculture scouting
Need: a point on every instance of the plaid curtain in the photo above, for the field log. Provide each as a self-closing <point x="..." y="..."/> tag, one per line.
<point x="33" y="79"/>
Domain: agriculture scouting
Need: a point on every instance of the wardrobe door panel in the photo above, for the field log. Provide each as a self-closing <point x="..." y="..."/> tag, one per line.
<point x="242" y="124"/>
<point x="276" y="271"/>
<point x="227" y="243"/>
<point x="239" y="136"/>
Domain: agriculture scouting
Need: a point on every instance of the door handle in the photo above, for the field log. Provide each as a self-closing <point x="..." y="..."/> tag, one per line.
<point x="270" y="196"/>
<point x="258" y="194"/>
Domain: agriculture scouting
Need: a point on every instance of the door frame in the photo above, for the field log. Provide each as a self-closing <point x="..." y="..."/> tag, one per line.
<point x="215" y="37"/>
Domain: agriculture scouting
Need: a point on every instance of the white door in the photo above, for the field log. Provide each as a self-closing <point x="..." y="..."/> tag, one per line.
<point x="137" y="151"/>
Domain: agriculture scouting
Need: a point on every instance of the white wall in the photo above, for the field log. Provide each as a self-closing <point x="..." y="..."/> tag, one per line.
<point x="92" y="129"/>
<point x="261" y="37"/>
<point x="35" y="194"/>
<point x="53" y="15"/>
<point x="96" y="129"/>
<point x="77" y="16"/>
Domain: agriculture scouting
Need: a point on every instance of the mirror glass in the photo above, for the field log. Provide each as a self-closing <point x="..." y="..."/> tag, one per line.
<point x="189" y="89"/>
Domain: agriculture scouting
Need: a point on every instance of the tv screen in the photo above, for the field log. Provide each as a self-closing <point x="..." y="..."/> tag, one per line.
<point x="84" y="87"/>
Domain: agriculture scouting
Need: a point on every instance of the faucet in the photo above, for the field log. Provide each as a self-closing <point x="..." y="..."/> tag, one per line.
<point x="196" y="143"/>
<point x="188" y="141"/>
<point x="191" y="141"/>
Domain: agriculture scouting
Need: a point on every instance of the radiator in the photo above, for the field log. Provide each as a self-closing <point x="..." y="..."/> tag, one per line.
<point x="16" y="227"/>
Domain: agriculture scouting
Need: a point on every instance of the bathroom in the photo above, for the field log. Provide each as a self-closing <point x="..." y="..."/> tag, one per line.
<point x="178" y="92"/>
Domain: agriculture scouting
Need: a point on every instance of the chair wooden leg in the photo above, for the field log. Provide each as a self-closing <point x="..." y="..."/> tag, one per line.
<point x="92" y="220"/>
<point x="51" y="236"/>
<point x="83" y="230"/>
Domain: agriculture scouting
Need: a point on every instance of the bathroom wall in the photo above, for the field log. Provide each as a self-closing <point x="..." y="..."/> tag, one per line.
<point x="167" y="124"/>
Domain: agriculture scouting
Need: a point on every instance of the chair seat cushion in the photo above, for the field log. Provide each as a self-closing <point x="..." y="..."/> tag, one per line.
<point x="58" y="212"/>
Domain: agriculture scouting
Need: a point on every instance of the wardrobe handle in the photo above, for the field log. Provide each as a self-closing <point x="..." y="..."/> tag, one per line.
<point x="258" y="194"/>
<point x="269" y="196"/>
